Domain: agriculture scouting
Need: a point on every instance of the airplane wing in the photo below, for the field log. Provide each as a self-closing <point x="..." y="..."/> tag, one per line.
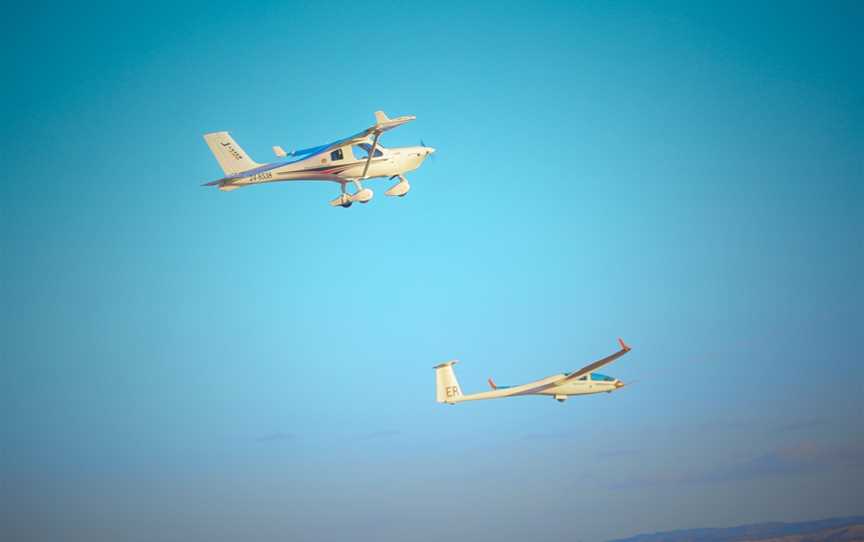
<point x="383" y="123"/>
<point x="289" y="176"/>
<point x="300" y="176"/>
<point x="598" y="364"/>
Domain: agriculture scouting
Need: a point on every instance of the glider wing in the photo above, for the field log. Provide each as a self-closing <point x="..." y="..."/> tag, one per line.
<point x="599" y="363"/>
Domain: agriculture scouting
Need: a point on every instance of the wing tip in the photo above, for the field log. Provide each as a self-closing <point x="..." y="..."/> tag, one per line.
<point x="624" y="346"/>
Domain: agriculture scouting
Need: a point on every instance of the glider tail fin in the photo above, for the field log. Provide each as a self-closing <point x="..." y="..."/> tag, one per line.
<point x="231" y="157"/>
<point x="447" y="388"/>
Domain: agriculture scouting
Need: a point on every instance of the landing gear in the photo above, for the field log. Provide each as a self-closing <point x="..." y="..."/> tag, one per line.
<point x="344" y="200"/>
<point x="363" y="195"/>
<point x="399" y="189"/>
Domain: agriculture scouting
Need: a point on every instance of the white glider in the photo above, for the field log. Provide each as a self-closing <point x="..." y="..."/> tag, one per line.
<point x="561" y="386"/>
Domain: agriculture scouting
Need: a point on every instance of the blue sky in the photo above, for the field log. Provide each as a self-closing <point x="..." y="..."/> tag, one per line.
<point x="183" y="364"/>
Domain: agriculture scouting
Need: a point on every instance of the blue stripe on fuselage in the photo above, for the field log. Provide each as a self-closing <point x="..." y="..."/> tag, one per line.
<point x="303" y="155"/>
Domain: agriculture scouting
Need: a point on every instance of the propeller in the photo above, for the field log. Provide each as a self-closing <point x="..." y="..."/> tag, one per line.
<point x="422" y="144"/>
<point x="628" y="384"/>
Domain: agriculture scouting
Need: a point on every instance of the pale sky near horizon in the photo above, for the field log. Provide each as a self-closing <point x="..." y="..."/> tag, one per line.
<point x="178" y="363"/>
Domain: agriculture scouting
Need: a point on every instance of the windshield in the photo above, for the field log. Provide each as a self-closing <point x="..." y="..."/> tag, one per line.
<point x="601" y="378"/>
<point x="361" y="151"/>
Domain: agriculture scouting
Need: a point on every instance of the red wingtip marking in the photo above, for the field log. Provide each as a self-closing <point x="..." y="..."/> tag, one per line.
<point x="492" y="384"/>
<point x="623" y="345"/>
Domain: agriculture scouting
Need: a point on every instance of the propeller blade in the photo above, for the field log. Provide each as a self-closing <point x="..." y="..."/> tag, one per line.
<point x="628" y="384"/>
<point x="422" y="144"/>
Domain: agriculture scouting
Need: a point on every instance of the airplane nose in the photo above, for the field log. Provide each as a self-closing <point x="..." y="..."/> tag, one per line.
<point x="619" y="384"/>
<point x="430" y="150"/>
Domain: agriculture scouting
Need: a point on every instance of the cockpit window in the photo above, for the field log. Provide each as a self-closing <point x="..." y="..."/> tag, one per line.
<point x="336" y="155"/>
<point x="601" y="378"/>
<point x="361" y="151"/>
<point x="583" y="377"/>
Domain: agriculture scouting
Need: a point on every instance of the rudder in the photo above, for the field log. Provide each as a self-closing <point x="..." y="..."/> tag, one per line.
<point x="231" y="157"/>
<point x="447" y="388"/>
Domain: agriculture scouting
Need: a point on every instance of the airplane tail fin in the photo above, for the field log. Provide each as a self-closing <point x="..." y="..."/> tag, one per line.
<point x="228" y="153"/>
<point x="447" y="388"/>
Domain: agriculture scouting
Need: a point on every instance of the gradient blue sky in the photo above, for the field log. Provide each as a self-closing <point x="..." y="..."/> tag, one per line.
<point x="184" y="364"/>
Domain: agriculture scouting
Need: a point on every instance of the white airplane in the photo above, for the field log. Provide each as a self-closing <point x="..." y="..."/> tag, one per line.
<point x="561" y="386"/>
<point x="349" y="160"/>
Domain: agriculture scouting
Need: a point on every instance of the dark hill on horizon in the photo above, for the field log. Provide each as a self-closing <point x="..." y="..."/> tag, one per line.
<point x="848" y="529"/>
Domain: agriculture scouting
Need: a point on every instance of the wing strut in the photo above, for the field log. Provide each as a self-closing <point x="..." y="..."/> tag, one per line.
<point x="371" y="154"/>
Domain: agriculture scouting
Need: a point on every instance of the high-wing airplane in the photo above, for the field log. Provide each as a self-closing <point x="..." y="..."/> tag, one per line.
<point x="349" y="160"/>
<point x="561" y="386"/>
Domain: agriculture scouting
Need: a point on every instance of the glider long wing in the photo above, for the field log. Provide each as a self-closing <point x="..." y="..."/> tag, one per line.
<point x="599" y="363"/>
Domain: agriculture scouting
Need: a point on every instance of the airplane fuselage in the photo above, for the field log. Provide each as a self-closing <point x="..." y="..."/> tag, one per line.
<point x="338" y="165"/>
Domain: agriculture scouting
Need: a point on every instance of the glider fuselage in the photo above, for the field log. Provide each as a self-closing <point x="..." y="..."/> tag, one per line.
<point x="551" y="386"/>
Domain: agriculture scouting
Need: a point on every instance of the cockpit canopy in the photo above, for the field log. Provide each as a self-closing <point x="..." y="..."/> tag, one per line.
<point x="597" y="377"/>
